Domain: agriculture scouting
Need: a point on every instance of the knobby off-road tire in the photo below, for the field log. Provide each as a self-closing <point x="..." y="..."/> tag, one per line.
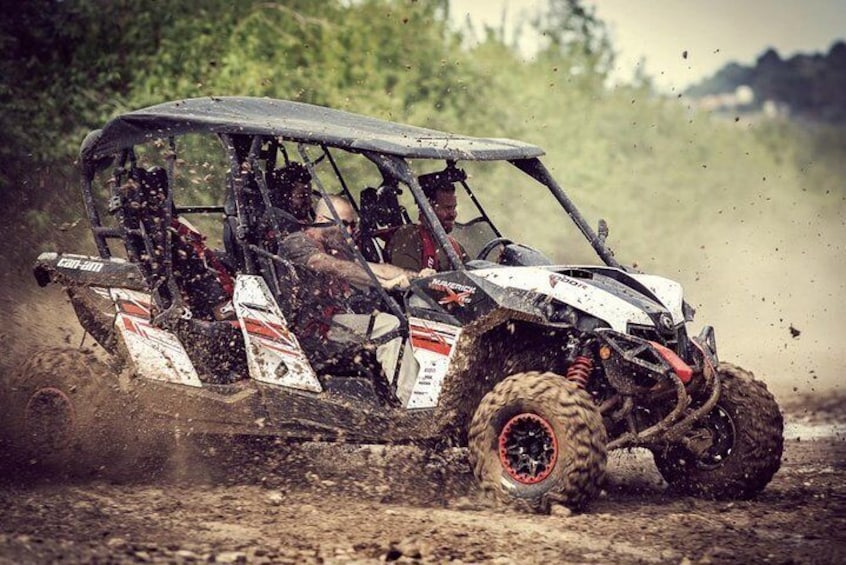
<point x="69" y="417"/>
<point x="747" y="430"/>
<point x="537" y="439"/>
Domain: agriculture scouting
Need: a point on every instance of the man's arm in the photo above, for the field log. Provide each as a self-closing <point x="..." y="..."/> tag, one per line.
<point x="347" y="270"/>
<point x="391" y="275"/>
<point x="388" y="276"/>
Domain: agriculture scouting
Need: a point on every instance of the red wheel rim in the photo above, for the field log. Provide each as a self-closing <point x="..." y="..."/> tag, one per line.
<point x="49" y="419"/>
<point x="528" y="448"/>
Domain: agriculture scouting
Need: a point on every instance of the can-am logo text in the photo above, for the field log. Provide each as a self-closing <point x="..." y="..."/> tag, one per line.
<point x="80" y="265"/>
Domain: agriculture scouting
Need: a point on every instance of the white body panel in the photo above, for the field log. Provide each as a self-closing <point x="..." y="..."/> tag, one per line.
<point x="569" y="290"/>
<point x="155" y="353"/>
<point x="274" y="355"/>
<point x="433" y="344"/>
<point x="669" y="292"/>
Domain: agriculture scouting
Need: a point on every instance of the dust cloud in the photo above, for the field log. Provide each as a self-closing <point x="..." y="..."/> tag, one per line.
<point x="772" y="285"/>
<point x="769" y="279"/>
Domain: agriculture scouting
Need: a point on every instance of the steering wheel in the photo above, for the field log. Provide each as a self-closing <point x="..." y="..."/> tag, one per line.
<point x="491" y="245"/>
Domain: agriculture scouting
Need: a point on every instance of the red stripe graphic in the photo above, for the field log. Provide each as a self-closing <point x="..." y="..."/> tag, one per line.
<point x="430" y="340"/>
<point x="272" y="332"/>
<point x="275" y="347"/>
<point x="131" y="308"/>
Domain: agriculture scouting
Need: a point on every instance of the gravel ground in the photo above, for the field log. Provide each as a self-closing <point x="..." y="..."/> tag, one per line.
<point x="226" y="502"/>
<point x="318" y="503"/>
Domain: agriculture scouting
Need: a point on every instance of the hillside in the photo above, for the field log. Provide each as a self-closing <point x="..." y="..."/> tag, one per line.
<point x="808" y="86"/>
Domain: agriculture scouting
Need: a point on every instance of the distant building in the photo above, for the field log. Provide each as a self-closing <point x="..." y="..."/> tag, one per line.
<point x="805" y="86"/>
<point x="742" y="100"/>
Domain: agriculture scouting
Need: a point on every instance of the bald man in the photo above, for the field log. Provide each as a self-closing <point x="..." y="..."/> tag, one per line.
<point x="329" y="280"/>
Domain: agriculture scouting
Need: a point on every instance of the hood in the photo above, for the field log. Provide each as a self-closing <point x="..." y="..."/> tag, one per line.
<point x="612" y="295"/>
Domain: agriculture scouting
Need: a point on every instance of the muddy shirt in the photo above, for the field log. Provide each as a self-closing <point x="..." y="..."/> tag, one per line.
<point x="320" y="295"/>
<point x="406" y="250"/>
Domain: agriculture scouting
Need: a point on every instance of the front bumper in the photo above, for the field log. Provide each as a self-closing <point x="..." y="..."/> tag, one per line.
<point x="636" y="364"/>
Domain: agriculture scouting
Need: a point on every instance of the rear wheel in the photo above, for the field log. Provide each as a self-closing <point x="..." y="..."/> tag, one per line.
<point x="537" y="439"/>
<point x="735" y="450"/>
<point x="67" y="415"/>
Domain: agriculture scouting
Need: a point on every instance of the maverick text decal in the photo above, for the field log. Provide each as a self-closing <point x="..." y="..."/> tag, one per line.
<point x="456" y="293"/>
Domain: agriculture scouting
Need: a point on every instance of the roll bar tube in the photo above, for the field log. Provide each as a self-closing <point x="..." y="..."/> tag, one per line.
<point x="536" y="169"/>
<point x="394" y="307"/>
<point x="237" y="178"/>
<point x="400" y="169"/>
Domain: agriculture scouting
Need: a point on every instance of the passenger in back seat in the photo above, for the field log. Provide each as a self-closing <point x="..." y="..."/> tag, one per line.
<point x="290" y="192"/>
<point x="205" y="282"/>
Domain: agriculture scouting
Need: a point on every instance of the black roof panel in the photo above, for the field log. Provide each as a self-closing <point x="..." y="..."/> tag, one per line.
<point x="296" y="121"/>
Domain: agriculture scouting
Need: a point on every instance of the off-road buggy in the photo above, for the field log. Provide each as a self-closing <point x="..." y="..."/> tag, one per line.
<point x="538" y="368"/>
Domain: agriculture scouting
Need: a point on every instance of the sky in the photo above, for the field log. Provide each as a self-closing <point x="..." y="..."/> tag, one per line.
<point x="713" y="32"/>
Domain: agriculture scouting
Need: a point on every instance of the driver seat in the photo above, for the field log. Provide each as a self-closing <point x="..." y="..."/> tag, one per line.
<point x="381" y="215"/>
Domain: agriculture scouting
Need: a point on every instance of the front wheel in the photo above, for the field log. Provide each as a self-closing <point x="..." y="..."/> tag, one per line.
<point x="536" y="439"/>
<point x="735" y="450"/>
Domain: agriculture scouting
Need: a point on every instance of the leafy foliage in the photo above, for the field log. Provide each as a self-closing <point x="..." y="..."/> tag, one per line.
<point x="69" y="66"/>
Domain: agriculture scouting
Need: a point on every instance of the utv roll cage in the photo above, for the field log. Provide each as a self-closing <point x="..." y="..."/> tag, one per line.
<point x="250" y="130"/>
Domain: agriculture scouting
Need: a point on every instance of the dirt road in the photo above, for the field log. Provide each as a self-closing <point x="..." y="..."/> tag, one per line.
<point x="326" y="504"/>
<point x="223" y="502"/>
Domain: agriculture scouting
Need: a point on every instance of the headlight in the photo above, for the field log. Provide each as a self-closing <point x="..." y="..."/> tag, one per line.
<point x="556" y="311"/>
<point x="665" y="323"/>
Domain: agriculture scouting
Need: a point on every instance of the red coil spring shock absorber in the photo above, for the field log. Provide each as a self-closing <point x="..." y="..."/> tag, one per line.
<point x="579" y="371"/>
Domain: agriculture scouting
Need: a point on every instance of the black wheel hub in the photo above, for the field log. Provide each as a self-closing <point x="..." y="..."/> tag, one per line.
<point x="528" y="449"/>
<point x="718" y="429"/>
<point x="49" y="419"/>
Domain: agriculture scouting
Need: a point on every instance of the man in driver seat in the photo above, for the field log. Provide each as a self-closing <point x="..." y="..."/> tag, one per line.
<point x="330" y="278"/>
<point x="413" y="246"/>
